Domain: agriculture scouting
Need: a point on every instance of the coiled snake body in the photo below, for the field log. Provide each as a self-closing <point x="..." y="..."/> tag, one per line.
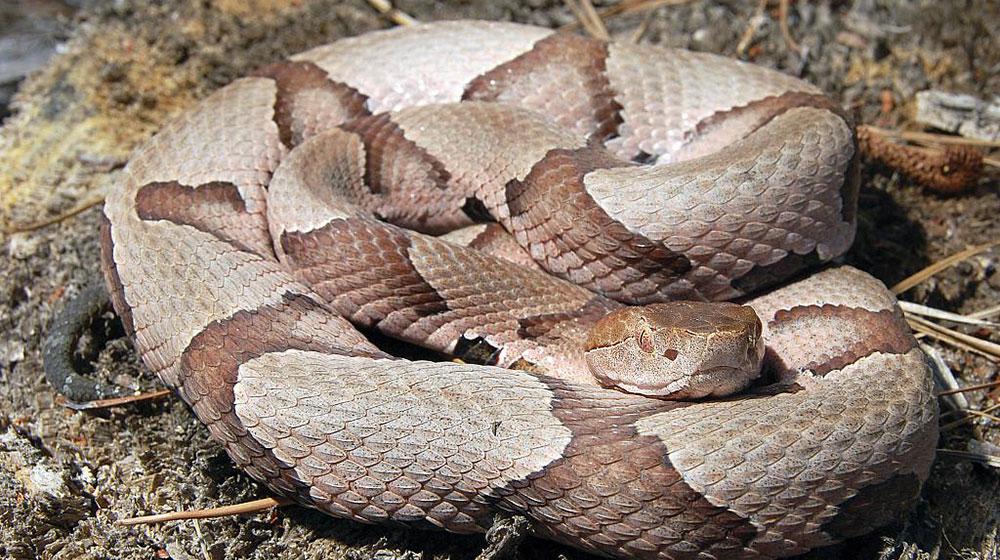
<point x="247" y="243"/>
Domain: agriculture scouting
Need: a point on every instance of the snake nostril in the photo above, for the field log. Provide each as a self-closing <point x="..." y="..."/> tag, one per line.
<point x="671" y="354"/>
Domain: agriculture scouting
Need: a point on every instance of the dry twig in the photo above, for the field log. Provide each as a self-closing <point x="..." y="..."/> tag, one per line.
<point x="643" y="27"/>
<point x="984" y="313"/>
<point x="945" y="380"/>
<point x="931" y="138"/>
<point x="22" y="228"/>
<point x="987" y="459"/>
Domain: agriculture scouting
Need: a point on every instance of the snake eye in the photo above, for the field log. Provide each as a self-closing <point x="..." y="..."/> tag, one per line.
<point x="644" y="338"/>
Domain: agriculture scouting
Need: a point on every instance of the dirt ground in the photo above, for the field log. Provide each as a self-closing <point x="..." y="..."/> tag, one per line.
<point x="124" y="66"/>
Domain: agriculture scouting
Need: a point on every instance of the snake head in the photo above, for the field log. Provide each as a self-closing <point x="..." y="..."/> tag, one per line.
<point x="679" y="350"/>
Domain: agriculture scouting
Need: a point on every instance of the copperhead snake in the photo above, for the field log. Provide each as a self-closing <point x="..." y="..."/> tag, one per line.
<point x="250" y="240"/>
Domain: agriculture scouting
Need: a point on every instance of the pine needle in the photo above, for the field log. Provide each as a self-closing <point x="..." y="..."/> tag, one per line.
<point x="628" y="7"/>
<point x="398" y="17"/>
<point x="973" y="415"/>
<point x="935" y="313"/>
<point x="984" y="313"/>
<point x="979" y="346"/>
<point x="756" y="20"/>
<point x="975" y="456"/>
<point x="224" y="511"/>
<point x="978" y="387"/>
<point x="942" y="264"/>
<point x="114" y="402"/>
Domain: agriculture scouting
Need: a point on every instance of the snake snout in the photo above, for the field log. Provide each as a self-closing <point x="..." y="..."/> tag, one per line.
<point x="680" y="350"/>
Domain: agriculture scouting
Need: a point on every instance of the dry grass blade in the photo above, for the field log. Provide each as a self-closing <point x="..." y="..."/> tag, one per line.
<point x="942" y="264"/>
<point x="595" y="20"/>
<point x="982" y="347"/>
<point x="581" y="19"/>
<point x="236" y="509"/>
<point x="201" y="540"/>
<point x="983" y="415"/>
<point x="392" y="14"/>
<point x="935" y="313"/>
<point x="22" y="228"/>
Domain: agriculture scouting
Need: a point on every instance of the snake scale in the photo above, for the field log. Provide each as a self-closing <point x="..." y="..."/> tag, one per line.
<point x="490" y="190"/>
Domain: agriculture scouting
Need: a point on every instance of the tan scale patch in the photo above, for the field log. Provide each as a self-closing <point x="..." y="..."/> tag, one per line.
<point x="229" y="137"/>
<point x="381" y="64"/>
<point x="663" y="100"/>
<point x="111" y="279"/>
<point x="708" y="211"/>
<point x="215" y="208"/>
<point x="489" y="297"/>
<point x="393" y="440"/>
<point x="841" y="286"/>
<point x="492" y="239"/>
<point x="407" y="184"/>
<point x="209" y="370"/>
<point x="724" y="127"/>
<point x="473" y="141"/>
<point x="787" y="461"/>
<point x="573" y="237"/>
<point x="308" y="102"/>
<point x="318" y="181"/>
<point x="425" y="291"/>
<point x="616" y="493"/>
<point x="363" y="269"/>
<point x="563" y="75"/>
<point x="821" y="339"/>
